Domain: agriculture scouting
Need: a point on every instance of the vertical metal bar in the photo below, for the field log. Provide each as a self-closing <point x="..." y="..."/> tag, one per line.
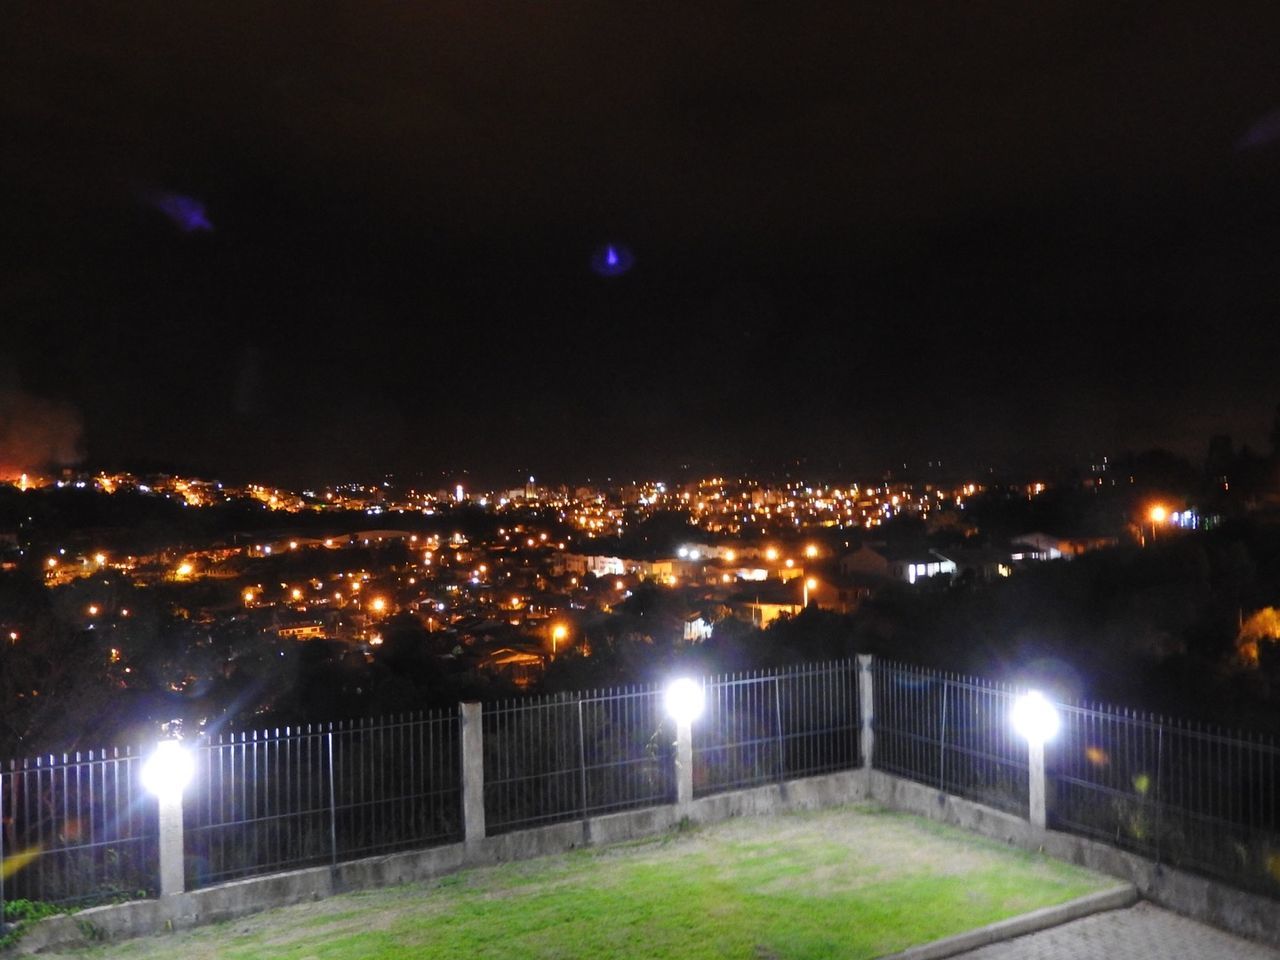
<point x="777" y="713"/>
<point x="1159" y="771"/>
<point x="333" y="809"/>
<point x="582" y="761"/>
<point x="942" y="739"/>
<point x="2" y="808"/>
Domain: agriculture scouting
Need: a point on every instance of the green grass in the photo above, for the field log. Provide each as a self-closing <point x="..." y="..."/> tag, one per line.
<point x="841" y="883"/>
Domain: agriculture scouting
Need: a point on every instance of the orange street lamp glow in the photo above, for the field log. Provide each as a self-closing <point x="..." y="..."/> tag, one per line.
<point x="99" y="558"/>
<point x="558" y="633"/>
<point x="248" y="596"/>
<point x="295" y="593"/>
<point x="771" y="554"/>
<point x="379" y="605"/>
<point x="185" y="569"/>
<point x="809" y="584"/>
<point x="811" y="551"/>
<point x="1158" y="514"/>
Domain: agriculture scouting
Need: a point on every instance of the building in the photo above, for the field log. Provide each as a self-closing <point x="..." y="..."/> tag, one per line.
<point x="896" y="563"/>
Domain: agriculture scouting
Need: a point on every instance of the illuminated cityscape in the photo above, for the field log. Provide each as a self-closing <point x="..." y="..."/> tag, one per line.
<point x="399" y="402"/>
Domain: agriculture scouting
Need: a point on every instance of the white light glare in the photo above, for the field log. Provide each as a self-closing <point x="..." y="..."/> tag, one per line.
<point x="169" y="769"/>
<point x="1035" y="718"/>
<point x="685" y="700"/>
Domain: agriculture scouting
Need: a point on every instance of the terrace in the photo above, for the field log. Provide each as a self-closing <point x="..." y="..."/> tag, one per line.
<point x="272" y="818"/>
<point x="846" y="882"/>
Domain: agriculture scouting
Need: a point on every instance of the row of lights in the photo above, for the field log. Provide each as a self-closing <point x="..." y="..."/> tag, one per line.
<point x="170" y="768"/>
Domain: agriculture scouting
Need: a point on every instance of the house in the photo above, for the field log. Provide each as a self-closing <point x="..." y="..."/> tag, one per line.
<point x="696" y="628"/>
<point x="896" y="563"/>
<point x="1044" y="546"/>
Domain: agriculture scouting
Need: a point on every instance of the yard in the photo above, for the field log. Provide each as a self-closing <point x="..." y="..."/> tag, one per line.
<point x="850" y="882"/>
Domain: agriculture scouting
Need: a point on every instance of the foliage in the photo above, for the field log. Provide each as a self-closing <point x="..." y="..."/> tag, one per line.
<point x="23" y="913"/>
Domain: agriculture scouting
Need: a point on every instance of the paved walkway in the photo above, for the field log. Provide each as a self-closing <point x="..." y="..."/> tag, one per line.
<point x="1142" y="932"/>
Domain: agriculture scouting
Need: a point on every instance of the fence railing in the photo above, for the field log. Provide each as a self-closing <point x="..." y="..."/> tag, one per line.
<point x="950" y="732"/>
<point x="768" y="726"/>
<point x="76" y="828"/>
<point x="556" y="758"/>
<point x="79" y="828"/>
<point x="1195" y="797"/>
<point x="268" y="800"/>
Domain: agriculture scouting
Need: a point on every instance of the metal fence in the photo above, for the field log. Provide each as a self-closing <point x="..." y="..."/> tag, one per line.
<point x="1196" y="797"/>
<point x="950" y="732"/>
<point x="267" y="800"/>
<point x="769" y="726"/>
<point x="549" y="759"/>
<point x="76" y="829"/>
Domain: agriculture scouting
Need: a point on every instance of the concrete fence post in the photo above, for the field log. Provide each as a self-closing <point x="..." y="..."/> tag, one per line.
<point x="684" y="765"/>
<point x="1036" y="782"/>
<point x="867" y="701"/>
<point x="472" y="773"/>
<point x="172" y="881"/>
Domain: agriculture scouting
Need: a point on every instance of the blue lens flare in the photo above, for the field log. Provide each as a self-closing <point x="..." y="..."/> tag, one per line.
<point x="612" y="260"/>
<point x="187" y="213"/>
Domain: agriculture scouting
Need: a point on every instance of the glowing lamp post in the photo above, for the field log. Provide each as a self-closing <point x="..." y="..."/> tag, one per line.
<point x="166" y="774"/>
<point x="1036" y="720"/>
<point x="809" y="584"/>
<point x="1157" y="515"/>
<point x="685" y="701"/>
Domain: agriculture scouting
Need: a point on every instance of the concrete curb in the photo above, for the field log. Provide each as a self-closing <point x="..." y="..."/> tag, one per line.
<point x="1114" y="899"/>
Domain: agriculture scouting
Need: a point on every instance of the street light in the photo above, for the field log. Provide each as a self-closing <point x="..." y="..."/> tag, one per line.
<point x="684" y="700"/>
<point x="168" y="770"/>
<point x="1157" y="515"/>
<point x="558" y="633"/>
<point x="809" y="584"/>
<point x="1034" y="718"/>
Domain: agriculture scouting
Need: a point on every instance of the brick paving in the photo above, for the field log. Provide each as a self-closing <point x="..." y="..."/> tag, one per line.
<point x="1142" y="932"/>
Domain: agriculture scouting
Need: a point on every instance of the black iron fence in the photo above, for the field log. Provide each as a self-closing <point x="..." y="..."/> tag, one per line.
<point x="768" y="726"/>
<point x="549" y="759"/>
<point x="79" y="828"/>
<point x="950" y="732"/>
<point x="1196" y="797"/>
<point x="76" y="829"/>
<point x="268" y="800"/>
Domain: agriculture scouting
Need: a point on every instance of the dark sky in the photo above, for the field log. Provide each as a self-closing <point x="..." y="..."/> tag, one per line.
<point x="862" y="232"/>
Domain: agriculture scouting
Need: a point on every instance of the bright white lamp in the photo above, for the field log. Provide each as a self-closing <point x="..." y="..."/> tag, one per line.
<point x="1035" y="718"/>
<point x="168" y="770"/>
<point x="685" y="700"/>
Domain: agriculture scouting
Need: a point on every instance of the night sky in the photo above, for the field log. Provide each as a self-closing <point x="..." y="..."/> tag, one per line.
<point x="308" y="241"/>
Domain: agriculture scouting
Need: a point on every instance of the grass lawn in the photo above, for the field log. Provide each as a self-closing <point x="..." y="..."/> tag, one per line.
<point x="844" y="883"/>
